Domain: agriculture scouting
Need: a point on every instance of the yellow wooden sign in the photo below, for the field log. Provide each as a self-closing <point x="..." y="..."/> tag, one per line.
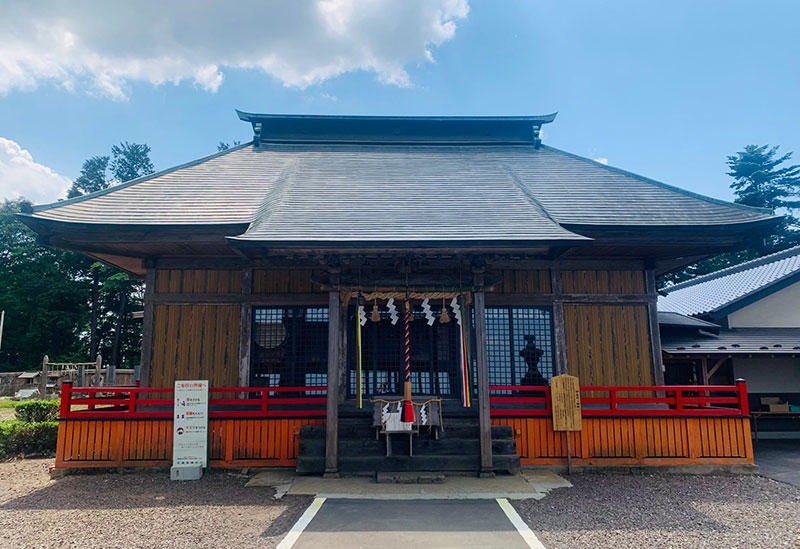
<point x="565" y="393"/>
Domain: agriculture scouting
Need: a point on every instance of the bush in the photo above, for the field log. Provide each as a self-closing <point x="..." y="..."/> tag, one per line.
<point x="37" y="411"/>
<point x="20" y="438"/>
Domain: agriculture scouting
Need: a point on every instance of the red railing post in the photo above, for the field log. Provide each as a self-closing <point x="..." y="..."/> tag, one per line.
<point x="265" y="401"/>
<point x="744" y="403"/>
<point x="66" y="396"/>
<point x="679" y="399"/>
<point x="132" y="398"/>
<point x="612" y="394"/>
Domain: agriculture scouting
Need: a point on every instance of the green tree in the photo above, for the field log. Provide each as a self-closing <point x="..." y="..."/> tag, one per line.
<point x="92" y="178"/>
<point x="223" y="146"/>
<point x="44" y="293"/>
<point x="129" y="161"/>
<point x="761" y="178"/>
<point x="114" y="294"/>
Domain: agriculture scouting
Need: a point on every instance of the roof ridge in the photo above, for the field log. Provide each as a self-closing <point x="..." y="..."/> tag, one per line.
<point x="738" y="268"/>
<point x="526" y="192"/>
<point x="274" y="197"/>
<point x="125" y="184"/>
<point x="661" y="184"/>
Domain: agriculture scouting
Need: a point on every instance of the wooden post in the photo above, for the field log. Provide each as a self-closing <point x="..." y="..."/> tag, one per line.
<point x="559" y="328"/>
<point x="111" y="374"/>
<point x="148" y="324"/>
<point x="655" y="334"/>
<point x="332" y="418"/>
<point x="81" y="375"/>
<point x="744" y="403"/>
<point x="245" y="330"/>
<point x="43" y="381"/>
<point x="484" y="419"/>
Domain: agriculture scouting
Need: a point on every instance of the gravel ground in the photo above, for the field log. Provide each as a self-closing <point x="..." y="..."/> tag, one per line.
<point x="645" y="511"/>
<point x="6" y="412"/>
<point x="142" y="509"/>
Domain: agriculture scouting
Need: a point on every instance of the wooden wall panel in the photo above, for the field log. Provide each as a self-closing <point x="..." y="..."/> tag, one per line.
<point x="608" y="344"/>
<point x="634" y="441"/>
<point x="517" y="281"/>
<point x="283" y="281"/>
<point x="603" y="282"/>
<point x="195" y="342"/>
<point x="198" y="281"/>
<point x="235" y="443"/>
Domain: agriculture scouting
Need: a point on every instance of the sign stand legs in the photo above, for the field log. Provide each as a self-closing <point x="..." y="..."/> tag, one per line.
<point x="569" y="454"/>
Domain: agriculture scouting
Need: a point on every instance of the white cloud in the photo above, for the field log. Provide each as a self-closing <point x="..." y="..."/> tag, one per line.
<point x="103" y="46"/>
<point x="21" y="176"/>
<point x="602" y="160"/>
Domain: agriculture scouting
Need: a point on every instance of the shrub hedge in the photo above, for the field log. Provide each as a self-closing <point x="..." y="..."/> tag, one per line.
<point x="20" y="438"/>
<point x="33" y="433"/>
<point x="37" y="411"/>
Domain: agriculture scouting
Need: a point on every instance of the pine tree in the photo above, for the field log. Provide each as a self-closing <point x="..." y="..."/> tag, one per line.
<point x="763" y="179"/>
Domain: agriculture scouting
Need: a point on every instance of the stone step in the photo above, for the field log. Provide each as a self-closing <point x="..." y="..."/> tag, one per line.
<point x="422" y="446"/>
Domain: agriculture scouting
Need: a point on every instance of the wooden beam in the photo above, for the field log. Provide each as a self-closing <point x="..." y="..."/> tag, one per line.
<point x="332" y="425"/>
<point x="253" y="299"/>
<point x="487" y="469"/>
<point x="245" y="329"/>
<point x="714" y="368"/>
<point x="655" y="334"/>
<point x="559" y="328"/>
<point x="586" y="299"/>
<point x="148" y="323"/>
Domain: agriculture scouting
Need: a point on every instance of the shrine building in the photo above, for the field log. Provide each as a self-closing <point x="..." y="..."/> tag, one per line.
<point x="310" y="273"/>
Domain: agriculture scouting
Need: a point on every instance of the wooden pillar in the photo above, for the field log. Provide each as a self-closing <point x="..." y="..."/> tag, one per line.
<point x="245" y="329"/>
<point x="148" y="323"/>
<point x="655" y="335"/>
<point x="559" y="327"/>
<point x="334" y="357"/>
<point x="484" y="418"/>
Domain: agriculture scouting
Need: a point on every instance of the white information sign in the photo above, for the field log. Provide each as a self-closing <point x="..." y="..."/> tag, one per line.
<point x="190" y="425"/>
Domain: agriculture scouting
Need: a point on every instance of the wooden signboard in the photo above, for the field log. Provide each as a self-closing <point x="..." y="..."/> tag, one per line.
<point x="565" y="392"/>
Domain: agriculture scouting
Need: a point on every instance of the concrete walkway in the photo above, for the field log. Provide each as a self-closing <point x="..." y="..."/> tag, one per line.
<point x="779" y="459"/>
<point x="531" y="484"/>
<point x="357" y="523"/>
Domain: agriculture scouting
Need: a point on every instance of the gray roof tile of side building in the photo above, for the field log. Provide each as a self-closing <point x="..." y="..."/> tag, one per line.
<point x="416" y="191"/>
<point x="712" y="292"/>
<point x="736" y="341"/>
<point x="678" y="320"/>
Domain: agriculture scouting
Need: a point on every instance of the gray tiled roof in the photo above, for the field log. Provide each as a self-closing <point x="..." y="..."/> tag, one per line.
<point x="402" y="192"/>
<point x="714" y="291"/>
<point x="736" y="341"/>
<point x="682" y="321"/>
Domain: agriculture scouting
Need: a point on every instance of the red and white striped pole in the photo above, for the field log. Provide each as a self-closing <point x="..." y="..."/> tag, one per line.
<point x="407" y="414"/>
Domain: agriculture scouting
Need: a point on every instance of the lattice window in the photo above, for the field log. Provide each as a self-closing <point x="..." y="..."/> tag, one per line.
<point x="290" y="347"/>
<point x="434" y="355"/>
<point x="520" y="342"/>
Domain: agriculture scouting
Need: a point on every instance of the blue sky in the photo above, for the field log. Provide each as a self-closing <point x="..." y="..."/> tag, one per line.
<point x="666" y="90"/>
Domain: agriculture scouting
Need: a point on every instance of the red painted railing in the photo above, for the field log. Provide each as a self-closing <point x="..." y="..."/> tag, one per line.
<point x="669" y="401"/>
<point x="146" y="403"/>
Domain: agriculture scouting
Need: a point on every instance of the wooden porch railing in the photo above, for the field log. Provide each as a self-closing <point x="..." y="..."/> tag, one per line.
<point x="670" y="401"/>
<point x="139" y="403"/>
<point x="705" y="425"/>
<point x="132" y="426"/>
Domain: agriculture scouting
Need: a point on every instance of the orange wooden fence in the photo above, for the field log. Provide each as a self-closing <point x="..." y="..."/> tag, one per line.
<point x="664" y="441"/>
<point x="235" y="443"/>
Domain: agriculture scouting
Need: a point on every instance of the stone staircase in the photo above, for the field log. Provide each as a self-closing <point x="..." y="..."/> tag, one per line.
<point x="456" y="451"/>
